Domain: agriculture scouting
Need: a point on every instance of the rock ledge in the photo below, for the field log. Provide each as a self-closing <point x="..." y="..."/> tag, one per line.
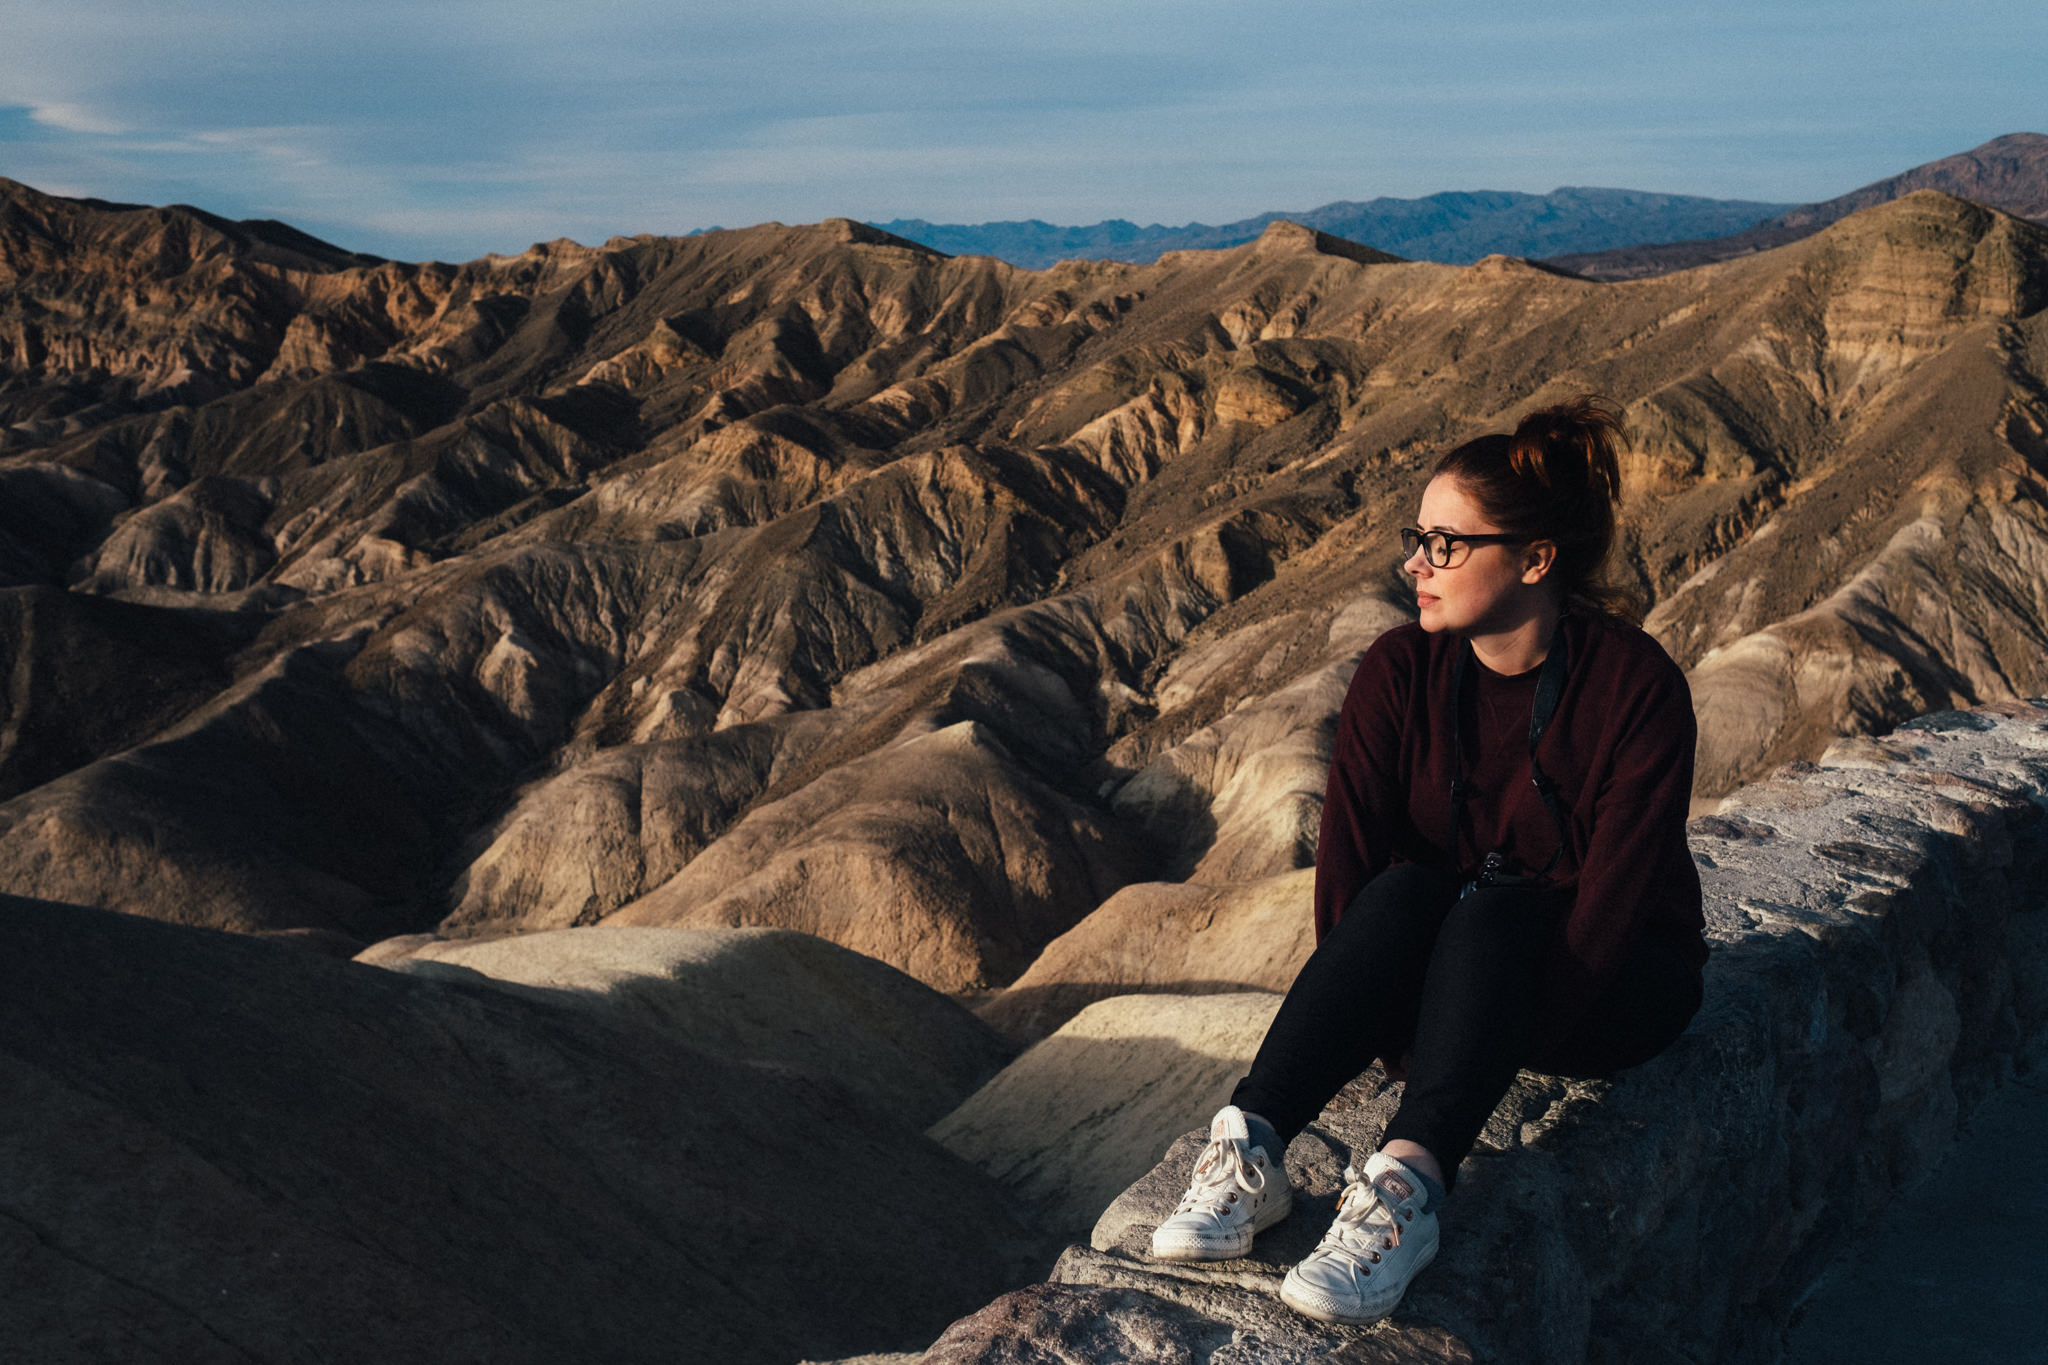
<point x="1880" y="958"/>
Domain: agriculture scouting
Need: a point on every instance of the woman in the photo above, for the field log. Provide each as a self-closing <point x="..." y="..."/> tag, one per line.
<point x="1502" y="877"/>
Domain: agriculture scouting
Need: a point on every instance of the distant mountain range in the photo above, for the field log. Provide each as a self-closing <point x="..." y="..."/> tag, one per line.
<point x="1602" y="233"/>
<point x="1457" y="227"/>
<point x="2009" y="173"/>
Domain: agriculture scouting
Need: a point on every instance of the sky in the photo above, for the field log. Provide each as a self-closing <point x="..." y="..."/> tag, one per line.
<point x="457" y="127"/>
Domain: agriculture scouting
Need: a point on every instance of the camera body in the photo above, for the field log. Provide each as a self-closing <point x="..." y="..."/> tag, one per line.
<point x="1493" y="871"/>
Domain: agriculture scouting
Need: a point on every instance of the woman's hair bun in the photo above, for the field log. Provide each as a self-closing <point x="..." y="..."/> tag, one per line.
<point x="1557" y="478"/>
<point x="1570" y="446"/>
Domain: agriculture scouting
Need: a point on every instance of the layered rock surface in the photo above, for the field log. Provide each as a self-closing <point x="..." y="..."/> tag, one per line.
<point x="804" y="577"/>
<point x="1169" y="938"/>
<point x="1074" y="1120"/>
<point x="1880" y="939"/>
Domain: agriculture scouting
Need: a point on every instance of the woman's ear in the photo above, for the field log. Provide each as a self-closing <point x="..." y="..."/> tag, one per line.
<point x="1538" y="560"/>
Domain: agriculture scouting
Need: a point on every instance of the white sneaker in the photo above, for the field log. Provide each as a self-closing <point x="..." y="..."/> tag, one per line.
<point x="1237" y="1192"/>
<point x="1380" y="1240"/>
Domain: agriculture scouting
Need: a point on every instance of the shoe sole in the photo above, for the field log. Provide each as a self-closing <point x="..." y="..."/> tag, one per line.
<point x="1191" y="1251"/>
<point x="1324" y="1309"/>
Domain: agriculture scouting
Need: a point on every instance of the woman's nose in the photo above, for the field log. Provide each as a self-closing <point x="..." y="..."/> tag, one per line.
<point x="1418" y="564"/>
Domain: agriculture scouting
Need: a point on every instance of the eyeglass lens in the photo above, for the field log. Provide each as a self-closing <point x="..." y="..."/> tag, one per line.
<point x="1435" y="546"/>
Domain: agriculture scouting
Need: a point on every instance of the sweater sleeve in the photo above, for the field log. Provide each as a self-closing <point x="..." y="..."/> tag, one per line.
<point x="1639" y="818"/>
<point x="1359" y="812"/>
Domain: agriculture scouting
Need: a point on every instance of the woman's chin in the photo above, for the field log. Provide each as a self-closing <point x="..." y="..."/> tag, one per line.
<point x="1430" y="615"/>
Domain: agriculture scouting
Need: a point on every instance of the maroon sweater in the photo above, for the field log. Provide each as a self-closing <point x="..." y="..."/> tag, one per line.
<point x="1620" y="749"/>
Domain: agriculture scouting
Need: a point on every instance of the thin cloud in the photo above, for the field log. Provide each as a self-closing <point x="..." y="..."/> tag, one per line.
<point x="75" y="118"/>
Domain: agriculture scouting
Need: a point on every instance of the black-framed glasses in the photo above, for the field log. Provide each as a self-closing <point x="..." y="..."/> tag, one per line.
<point x="1441" y="548"/>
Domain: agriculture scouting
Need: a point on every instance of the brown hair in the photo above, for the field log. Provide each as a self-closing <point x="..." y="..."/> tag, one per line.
<point x="1558" y="479"/>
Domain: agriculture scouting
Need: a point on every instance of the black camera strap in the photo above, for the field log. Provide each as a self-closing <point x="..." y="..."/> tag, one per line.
<point x="1549" y="689"/>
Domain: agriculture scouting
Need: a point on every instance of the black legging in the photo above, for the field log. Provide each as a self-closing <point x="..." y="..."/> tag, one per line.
<point x="1453" y="983"/>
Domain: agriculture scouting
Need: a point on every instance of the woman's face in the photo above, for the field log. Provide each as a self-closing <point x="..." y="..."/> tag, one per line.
<point x="1486" y="590"/>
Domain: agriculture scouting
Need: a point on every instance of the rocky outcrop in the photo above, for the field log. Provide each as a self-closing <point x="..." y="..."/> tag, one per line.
<point x="1880" y="943"/>
<point x="224" y="1149"/>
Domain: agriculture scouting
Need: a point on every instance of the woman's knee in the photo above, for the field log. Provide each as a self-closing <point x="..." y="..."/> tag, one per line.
<point x="1650" y="1002"/>
<point x="1502" y="920"/>
<point x="1392" y="919"/>
<point x="1405" y="891"/>
<point x="1403" y="901"/>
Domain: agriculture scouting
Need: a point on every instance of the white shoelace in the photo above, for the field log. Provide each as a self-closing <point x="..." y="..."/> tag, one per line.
<point x="1225" y="1163"/>
<point x="1365" y="1227"/>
